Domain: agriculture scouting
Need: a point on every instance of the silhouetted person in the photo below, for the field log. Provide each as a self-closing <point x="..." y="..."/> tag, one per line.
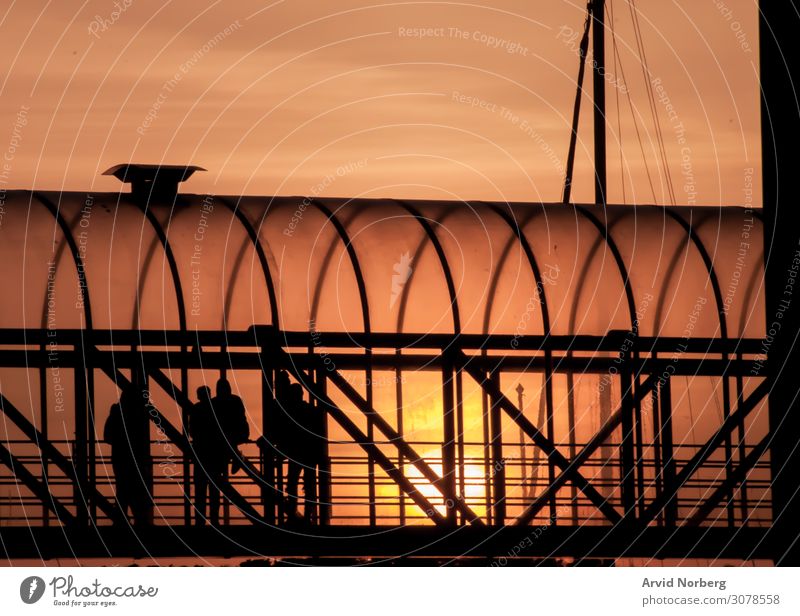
<point x="210" y="451"/>
<point x="232" y="416"/>
<point x="303" y="448"/>
<point x="127" y="430"/>
<point x="272" y="441"/>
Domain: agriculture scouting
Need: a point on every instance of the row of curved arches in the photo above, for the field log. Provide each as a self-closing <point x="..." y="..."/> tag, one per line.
<point x="433" y="220"/>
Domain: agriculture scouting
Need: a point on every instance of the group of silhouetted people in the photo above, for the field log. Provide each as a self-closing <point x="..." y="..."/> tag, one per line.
<point x="217" y="427"/>
<point x="297" y="437"/>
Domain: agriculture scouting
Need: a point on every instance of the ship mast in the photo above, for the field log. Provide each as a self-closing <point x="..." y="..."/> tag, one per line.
<point x="597" y="8"/>
<point x="595" y="18"/>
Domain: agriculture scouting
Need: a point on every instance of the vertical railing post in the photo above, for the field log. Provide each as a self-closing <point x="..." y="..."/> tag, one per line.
<point x="730" y="505"/>
<point x="460" y="465"/>
<point x="92" y="428"/>
<point x="371" y="469"/>
<point x="80" y="448"/>
<point x="626" y="448"/>
<point x="658" y="464"/>
<point x="573" y="491"/>
<point x="398" y="387"/>
<point x="742" y="443"/>
<point x="488" y="467"/>
<point x="267" y="450"/>
<point x="449" y="433"/>
<point x="664" y="387"/>
<point x="324" y="473"/>
<point x="551" y="430"/>
<point x="187" y="465"/>
<point x="43" y="425"/>
<point x="639" y="443"/>
<point x="498" y="464"/>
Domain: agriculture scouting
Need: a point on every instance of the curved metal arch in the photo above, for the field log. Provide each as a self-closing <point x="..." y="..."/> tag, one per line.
<point x="623" y="270"/>
<point x="748" y="297"/>
<point x="681" y="249"/>
<point x="316" y="300"/>
<point x="176" y="281"/>
<point x="73" y="248"/>
<point x="757" y="212"/>
<point x="526" y="247"/>
<point x="401" y="313"/>
<point x="171" y="262"/>
<point x="440" y="253"/>
<point x="87" y="313"/>
<point x="582" y="279"/>
<point x="252" y="233"/>
<point x="57" y="263"/>
<point x="499" y="270"/>
<point x="431" y="236"/>
<point x="354" y="262"/>
<point x="495" y="281"/>
<point x="546" y="326"/>
<point x="232" y="280"/>
<point x="709" y="264"/>
<point x="362" y="290"/>
<point x="154" y="245"/>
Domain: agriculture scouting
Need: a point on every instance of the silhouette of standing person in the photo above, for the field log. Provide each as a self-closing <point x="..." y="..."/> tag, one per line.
<point x="208" y="444"/>
<point x="232" y="417"/>
<point x="272" y="441"/>
<point x="127" y="430"/>
<point x="302" y="446"/>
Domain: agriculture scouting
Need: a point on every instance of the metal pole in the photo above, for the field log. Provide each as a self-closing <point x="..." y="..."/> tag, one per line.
<point x="599" y="92"/>
<point x="449" y="432"/>
<point x="81" y="450"/>
<point x="780" y="125"/>
<point x="668" y="467"/>
<point x="498" y="464"/>
<point x="522" y="457"/>
<point x="576" y="110"/>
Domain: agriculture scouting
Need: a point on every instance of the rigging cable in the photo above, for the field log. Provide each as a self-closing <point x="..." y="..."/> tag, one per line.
<point x="633" y="110"/>
<point x="646" y="74"/>
<point x="617" y="60"/>
<point x="576" y="111"/>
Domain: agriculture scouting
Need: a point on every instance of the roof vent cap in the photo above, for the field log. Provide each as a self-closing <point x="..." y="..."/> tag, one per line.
<point x="153" y="181"/>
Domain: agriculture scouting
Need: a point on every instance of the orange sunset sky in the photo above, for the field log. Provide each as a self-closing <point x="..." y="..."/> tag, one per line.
<point x="456" y="100"/>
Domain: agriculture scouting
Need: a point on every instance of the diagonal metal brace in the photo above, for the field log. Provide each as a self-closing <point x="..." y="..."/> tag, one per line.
<point x="403" y="447"/>
<point x="54" y="455"/>
<point x="593" y="445"/>
<point x="368" y="445"/>
<point x="737" y="476"/>
<point x="40" y="489"/>
<point x="704" y="453"/>
<point x="541" y="441"/>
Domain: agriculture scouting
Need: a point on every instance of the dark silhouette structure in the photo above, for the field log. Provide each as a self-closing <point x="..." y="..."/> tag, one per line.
<point x="273" y="444"/>
<point x="780" y="124"/>
<point x="127" y="430"/>
<point x="304" y="452"/>
<point x="209" y="445"/>
<point x="410" y="381"/>
<point x="229" y="410"/>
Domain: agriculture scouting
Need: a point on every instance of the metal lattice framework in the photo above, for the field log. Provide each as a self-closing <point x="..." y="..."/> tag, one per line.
<point x="597" y="313"/>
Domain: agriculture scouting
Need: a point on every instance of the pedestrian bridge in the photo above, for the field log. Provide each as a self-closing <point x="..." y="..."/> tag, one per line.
<point x="483" y="368"/>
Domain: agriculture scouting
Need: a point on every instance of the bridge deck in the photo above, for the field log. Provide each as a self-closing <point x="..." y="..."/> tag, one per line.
<point x="387" y="542"/>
